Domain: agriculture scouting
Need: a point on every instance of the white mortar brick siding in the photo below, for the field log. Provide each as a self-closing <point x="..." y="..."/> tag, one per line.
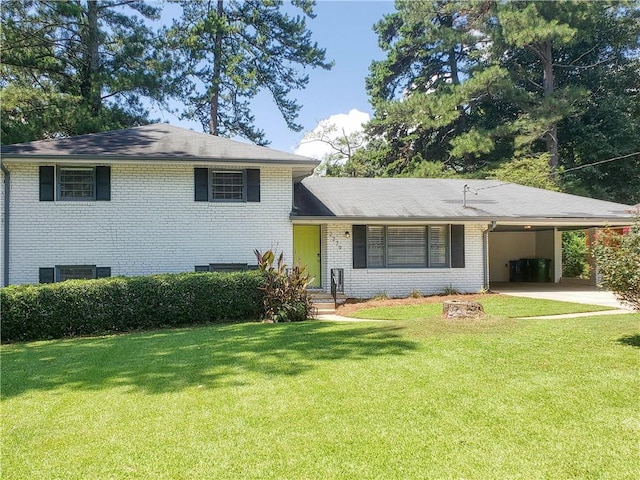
<point x="151" y="225"/>
<point x="399" y="282"/>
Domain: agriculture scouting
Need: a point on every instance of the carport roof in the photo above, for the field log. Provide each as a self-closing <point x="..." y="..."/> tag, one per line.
<point x="425" y="199"/>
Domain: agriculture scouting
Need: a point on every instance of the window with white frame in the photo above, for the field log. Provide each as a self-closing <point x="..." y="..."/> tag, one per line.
<point x="438" y="250"/>
<point x="406" y="247"/>
<point x="76" y="183"/>
<point x="376" y="247"/>
<point x="228" y="185"/>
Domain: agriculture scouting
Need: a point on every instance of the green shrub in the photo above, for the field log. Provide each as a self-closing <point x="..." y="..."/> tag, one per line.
<point x="285" y="291"/>
<point x="618" y="261"/>
<point x="120" y="304"/>
<point x="574" y="255"/>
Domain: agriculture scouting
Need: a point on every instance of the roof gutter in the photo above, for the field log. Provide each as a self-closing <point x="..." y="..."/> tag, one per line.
<point x="5" y="213"/>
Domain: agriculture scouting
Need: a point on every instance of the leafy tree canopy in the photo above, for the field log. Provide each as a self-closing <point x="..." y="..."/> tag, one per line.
<point x="76" y="67"/>
<point x="472" y="85"/>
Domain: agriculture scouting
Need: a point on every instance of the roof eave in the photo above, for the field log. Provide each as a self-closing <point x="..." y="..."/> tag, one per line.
<point x="151" y="160"/>
<point x="571" y="222"/>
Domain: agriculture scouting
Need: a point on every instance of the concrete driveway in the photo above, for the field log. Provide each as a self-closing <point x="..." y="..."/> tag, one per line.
<point x="557" y="291"/>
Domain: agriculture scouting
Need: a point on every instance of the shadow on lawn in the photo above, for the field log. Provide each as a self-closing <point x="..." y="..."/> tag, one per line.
<point x="210" y="357"/>
<point x="631" y="340"/>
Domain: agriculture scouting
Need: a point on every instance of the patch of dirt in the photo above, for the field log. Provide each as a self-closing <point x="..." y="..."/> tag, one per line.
<point x="352" y="305"/>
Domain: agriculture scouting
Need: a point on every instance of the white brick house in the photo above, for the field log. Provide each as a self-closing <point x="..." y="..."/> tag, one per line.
<point x="158" y="198"/>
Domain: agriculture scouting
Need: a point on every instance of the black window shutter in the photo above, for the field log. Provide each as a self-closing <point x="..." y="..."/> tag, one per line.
<point x="359" y="237"/>
<point x="253" y="185"/>
<point x="201" y="184"/>
<point x="103" y="183"/>
<point x="457" y="246"/>
<point x="103" y="272"/>
<point x="47" y="180"/>
<point x="47" y="275"/>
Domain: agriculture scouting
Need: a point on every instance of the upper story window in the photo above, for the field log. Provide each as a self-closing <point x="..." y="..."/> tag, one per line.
<point x="228" y="186"/>
<point x="75" y="183"/>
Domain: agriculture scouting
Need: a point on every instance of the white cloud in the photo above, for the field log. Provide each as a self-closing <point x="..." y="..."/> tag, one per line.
<point x="349" y="122"/>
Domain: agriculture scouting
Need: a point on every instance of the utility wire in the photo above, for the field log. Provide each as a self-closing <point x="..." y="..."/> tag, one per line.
<point x="596" y="163"/>
<point x="560" y="172"/>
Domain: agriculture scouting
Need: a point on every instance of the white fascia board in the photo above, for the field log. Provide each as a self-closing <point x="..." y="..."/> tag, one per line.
<point x="112" y="160"/>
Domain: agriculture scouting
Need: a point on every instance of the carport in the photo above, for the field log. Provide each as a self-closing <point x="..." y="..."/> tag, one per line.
<point x="538" y="240"/>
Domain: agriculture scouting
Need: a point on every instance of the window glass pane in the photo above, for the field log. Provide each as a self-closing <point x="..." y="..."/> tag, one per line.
<point x="438" y="246"/>
<point x="375" y="247"/>
<point x="407" y="247"/>
<point x="80" y="272"/>
<point x="227" y="185"/>
<point x="76" y="183"/>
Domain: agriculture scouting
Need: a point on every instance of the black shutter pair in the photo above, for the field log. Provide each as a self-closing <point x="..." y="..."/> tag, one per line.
<point x="201" y="184"/>
<point x="48" y="180"/>
<point x="48" y="274"/>
<point x="359" y="237"/>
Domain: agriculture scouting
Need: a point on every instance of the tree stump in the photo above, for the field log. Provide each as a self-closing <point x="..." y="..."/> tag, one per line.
<point x="462" y="309"/>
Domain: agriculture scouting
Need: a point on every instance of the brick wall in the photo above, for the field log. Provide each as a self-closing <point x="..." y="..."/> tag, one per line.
<point x="152" y="224"/>
<point x="399" y="282"/>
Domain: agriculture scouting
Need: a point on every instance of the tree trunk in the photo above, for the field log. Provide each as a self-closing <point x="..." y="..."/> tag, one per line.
<point x="91" y="88"/>
<point x="551" y="137"/>
<point x="217" y="69"/>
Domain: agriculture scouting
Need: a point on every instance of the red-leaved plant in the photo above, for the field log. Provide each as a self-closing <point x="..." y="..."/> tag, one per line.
<point x="285" y="291"/>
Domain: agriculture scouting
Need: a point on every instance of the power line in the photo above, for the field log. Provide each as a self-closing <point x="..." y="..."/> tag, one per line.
<point x="596" y="163"/>
<point x="475" y="191"/>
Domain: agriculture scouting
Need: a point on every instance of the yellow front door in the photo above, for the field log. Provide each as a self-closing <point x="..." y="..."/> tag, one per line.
<point x="306" y="250"/>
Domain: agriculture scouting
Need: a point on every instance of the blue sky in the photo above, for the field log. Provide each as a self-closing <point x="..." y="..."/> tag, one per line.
<point x="344" y="29"/>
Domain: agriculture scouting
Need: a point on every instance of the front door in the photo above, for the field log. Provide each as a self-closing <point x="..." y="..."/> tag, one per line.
<point x="306" y="250"/>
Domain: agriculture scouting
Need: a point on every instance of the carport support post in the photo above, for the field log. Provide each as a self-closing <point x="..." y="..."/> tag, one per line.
<point x="557" y="255"/>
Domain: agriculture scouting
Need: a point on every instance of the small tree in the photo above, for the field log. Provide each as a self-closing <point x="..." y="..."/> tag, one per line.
<point x="618" y="259"/>
<point x="574" y="255"/>
<point x="285" y="291"/>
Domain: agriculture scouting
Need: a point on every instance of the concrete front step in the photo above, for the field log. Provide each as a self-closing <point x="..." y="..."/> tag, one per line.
<point x="323" y="302"/>
<point x="323" y="307"/>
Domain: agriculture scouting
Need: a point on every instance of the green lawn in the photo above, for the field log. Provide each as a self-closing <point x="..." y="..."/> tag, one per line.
<point x="488" y="399"/>
<point x="502" y="305"/>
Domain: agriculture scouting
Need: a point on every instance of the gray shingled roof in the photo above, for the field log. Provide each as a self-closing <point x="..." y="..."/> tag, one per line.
<point x="159" y="141"/>
<point x="371" y="199"/>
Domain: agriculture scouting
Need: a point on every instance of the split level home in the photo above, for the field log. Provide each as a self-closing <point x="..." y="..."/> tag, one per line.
<point x="159" y="198"/>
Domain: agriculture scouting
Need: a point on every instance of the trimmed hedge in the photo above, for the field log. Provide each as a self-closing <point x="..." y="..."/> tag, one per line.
<point x="120" y="304"/>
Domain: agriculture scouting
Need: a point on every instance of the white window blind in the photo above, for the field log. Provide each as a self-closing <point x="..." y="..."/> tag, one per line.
<point x="438" y="246"/>
<point x="375" y="247"/>
<point x="407" y="247"/>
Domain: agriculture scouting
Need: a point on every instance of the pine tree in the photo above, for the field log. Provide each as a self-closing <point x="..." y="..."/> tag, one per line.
<point x="74" y="67"/>
<point x="230" y="51"/>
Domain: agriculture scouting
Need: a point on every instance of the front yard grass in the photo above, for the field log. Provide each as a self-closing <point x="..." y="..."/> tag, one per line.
<point x="495" y="398"/>
<point x="501" y="305"/>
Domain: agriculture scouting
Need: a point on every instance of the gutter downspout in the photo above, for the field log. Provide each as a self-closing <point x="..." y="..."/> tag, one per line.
<point x="5" y="213"/>
<point x="485" y="253"/>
